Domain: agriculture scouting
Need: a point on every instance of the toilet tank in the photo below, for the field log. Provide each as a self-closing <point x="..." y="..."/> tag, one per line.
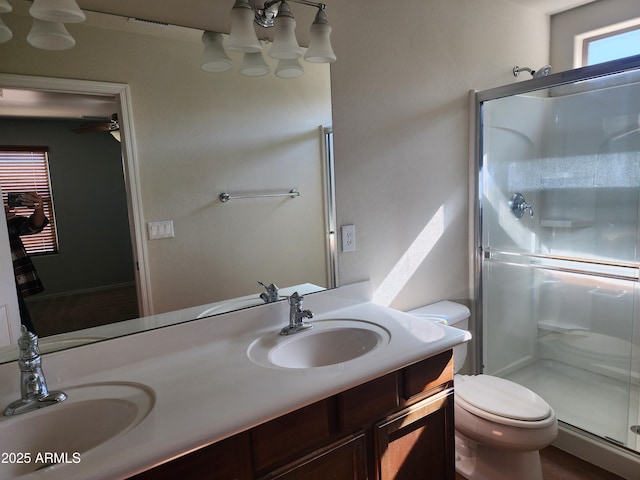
<point x="452" y="314"/>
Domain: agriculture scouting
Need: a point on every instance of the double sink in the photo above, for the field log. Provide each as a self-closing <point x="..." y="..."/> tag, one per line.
<point x="94" y="414"/>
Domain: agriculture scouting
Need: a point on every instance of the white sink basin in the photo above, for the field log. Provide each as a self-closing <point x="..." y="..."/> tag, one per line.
<point x="329" y="342"/>
<point x="92" y="415"/>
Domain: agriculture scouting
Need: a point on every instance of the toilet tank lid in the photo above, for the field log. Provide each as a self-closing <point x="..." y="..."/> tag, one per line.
<point x="446" y="310"/>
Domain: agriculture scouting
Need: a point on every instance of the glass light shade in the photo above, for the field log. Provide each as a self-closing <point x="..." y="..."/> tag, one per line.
<point x="243" y="36"/>
<point x="320" y="50"/>
<point x="50" y="36"/>
<point x="214" y="58"/>
<point x="285" y="46"/>
<point x="253" y="65"/>
<point x="62" y="11"/>
<point x="289" y="68"/>
<point x="5" y="7"/>
<point x="5" y="32"/>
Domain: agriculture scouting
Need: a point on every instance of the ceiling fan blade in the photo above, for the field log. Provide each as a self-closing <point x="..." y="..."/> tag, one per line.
<point x="106" y="125"/>
<point x="93" y="127"/>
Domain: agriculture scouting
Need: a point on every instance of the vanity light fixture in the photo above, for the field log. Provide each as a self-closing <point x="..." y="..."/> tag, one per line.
<point x="49" y="16"/>
<point x="60" y="11"/>
<point x="5" y="32"/>
<point x="289" y="68"/>
<point x="50" y="36"/>
<point x="254" y="65"/>
<point x="285" y="47"/>
<point x="215" y="58"/>
<point x="243" y="37"/>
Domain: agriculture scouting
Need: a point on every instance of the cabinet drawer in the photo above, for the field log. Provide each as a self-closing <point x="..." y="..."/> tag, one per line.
<point x="428" y="376"/>
<point x="341" y="460"/>
<point x="290" y="436"/>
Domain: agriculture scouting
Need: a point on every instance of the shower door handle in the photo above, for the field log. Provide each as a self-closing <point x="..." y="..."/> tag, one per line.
<point x="518" y="205"/>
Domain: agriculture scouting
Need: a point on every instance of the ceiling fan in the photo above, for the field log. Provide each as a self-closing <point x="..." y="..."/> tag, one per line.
<point x="100" y="124"/>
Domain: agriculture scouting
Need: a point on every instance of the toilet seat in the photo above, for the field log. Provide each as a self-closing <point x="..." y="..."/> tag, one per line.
<point x="502" y="401"/>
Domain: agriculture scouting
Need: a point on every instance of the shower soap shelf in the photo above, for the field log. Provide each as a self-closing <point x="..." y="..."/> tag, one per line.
<point x="558" y="326"/>
<point x="563" y="223"/>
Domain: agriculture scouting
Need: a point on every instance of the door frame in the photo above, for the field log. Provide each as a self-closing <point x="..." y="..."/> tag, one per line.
<point x="122" y="96"/>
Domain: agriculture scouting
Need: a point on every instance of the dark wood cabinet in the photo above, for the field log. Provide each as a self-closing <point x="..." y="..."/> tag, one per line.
<point x="414" y="443"/>
<point x="396" y="427"/>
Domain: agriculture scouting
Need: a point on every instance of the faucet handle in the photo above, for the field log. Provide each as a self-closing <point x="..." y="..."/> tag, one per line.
<point x="28" y="344"/>
<point x="295" y="299"/>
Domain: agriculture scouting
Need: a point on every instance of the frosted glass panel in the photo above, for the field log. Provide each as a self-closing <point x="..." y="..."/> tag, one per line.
<point x="510" y="328"/>
<point x="575" y="159"/>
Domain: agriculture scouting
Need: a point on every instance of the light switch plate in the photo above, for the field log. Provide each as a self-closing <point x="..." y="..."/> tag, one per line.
<point x="348" y="238"/>
<point x="163" y="229"/>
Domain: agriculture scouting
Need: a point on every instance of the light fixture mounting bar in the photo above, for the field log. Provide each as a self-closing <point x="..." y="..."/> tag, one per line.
<point x="321" y="6"/>
<point x="266" y="14"/>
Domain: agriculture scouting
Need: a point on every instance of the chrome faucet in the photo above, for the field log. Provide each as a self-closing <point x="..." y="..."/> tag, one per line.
<point x="271" y="295"/>
<point x="33" y="386"/>
<point x="296" y="316"/>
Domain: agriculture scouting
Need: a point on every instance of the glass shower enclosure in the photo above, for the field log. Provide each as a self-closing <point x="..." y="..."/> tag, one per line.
<point x="557" y="239"/>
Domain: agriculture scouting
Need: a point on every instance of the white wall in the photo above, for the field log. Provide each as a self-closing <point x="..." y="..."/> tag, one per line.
<point x="400" y="98"/>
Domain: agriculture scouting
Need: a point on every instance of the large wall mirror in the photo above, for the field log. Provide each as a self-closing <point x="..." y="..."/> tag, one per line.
<point x="187" y="137"/>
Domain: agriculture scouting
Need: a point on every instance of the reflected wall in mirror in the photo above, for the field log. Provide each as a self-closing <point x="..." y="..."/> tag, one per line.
<point x="193" y="135"/>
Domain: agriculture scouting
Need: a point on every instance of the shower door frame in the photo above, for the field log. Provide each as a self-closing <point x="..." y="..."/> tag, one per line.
<point x="477" y="98"/>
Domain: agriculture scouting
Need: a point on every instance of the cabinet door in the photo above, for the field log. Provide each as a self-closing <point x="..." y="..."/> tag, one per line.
<point x="418" y="442"/>
<point x="343" y="460"/>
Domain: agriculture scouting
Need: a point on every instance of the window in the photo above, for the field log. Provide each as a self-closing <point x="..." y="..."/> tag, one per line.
<point x="26" y="169"/>
<point x="608" y="43"/>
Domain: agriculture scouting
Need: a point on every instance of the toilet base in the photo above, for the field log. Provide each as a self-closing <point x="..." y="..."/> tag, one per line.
<point x="480" y="462"/>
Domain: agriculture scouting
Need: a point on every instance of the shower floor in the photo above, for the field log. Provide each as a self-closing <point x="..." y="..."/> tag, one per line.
<point x="586" y="400"/>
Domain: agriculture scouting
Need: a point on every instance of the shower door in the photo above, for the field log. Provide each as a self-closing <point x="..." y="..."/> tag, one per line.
<point x="559" y="198"/>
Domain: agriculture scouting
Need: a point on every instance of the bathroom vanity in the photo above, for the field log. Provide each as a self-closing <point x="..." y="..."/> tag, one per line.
<point x="398" y="426"/>
<point x="366" y="393"/>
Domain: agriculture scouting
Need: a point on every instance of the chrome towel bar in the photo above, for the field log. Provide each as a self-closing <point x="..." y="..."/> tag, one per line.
<point x="293" y="193"/>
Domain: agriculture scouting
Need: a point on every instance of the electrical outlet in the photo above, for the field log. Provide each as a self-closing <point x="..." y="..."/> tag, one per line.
<point x="348" y="238"/>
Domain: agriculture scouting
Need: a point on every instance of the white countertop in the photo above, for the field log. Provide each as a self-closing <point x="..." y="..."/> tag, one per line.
<point x="206" y="387"/>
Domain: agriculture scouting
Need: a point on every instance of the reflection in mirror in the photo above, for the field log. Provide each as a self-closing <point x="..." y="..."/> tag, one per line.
<point x="187" y="137"/>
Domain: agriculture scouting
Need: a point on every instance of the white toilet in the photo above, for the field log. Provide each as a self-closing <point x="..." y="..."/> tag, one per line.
<point x="500" y="425"/>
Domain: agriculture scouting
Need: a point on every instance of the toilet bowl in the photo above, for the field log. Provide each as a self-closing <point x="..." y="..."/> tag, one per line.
<point x="500" y="425"/>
